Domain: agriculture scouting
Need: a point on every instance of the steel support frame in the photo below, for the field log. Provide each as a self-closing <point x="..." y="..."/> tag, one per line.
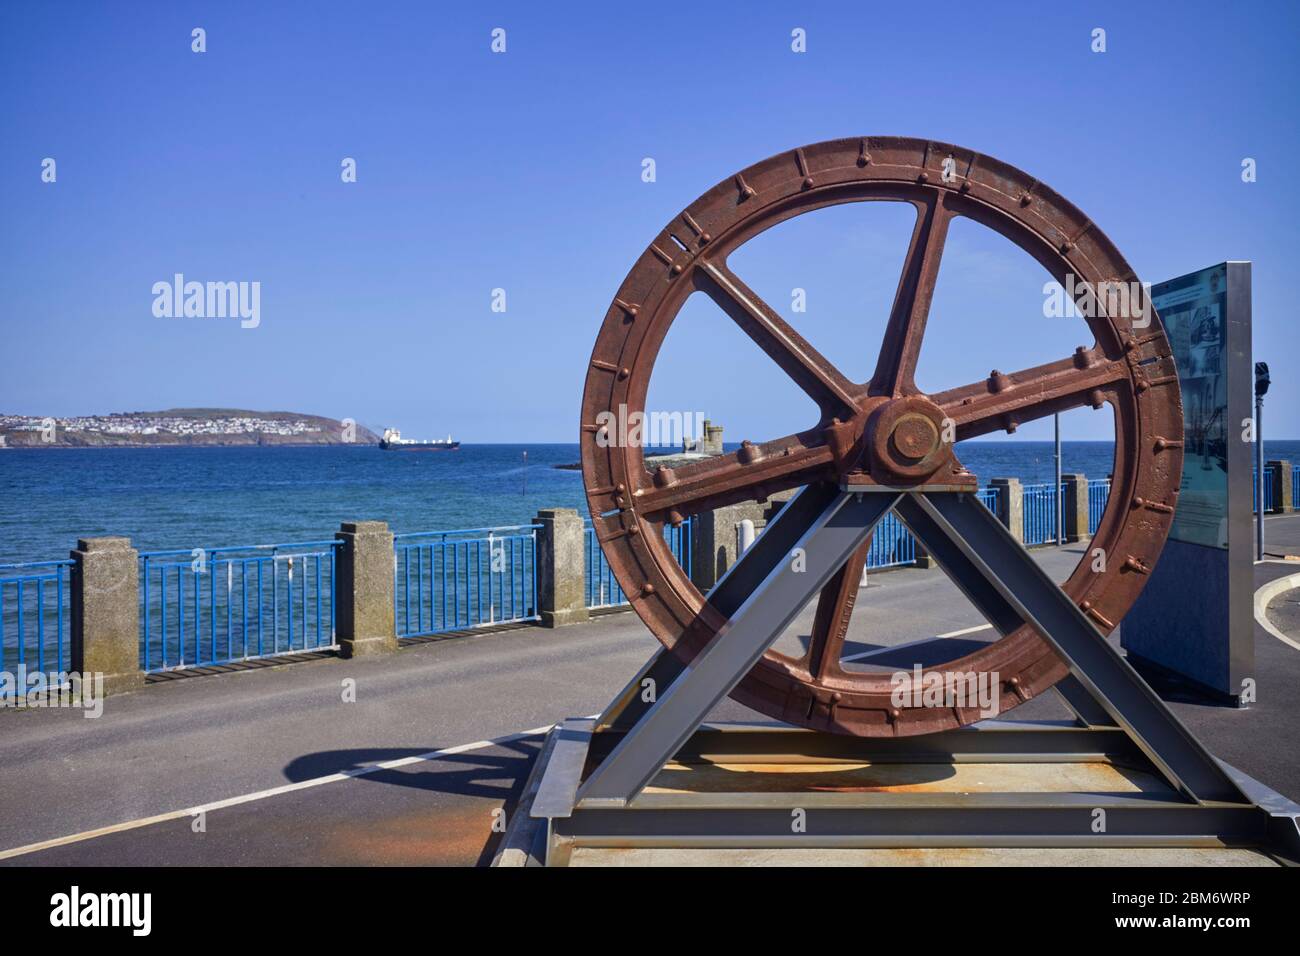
<point x="760" y="594"/>
<point x="591" y="793"/>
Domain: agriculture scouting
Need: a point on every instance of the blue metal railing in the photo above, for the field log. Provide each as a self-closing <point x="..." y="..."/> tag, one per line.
<point x="34" y="615"/>
<point x="679" y="542"/>
<point x="1040" y="503"/>
<point x="602" y="589"/>
<point x="453" y="580"/>
<point x="212" y="606"/>
<point x="1098" y="495"/>
<point x="892" y="545"/>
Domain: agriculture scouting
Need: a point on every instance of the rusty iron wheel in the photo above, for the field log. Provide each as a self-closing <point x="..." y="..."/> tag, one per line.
<point x="1128" y="367"/>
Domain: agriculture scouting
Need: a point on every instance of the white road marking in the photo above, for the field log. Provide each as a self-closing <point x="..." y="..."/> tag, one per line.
<point x="273" y="792"/>
<point x="1266" y="594"/>
<point x="882" y="650"/>
<point x="967" y="630"/>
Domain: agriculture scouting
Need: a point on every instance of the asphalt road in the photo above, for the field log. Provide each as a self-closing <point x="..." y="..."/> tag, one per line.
<point x="1284" y="611"/>
<point x="450" y="715"/>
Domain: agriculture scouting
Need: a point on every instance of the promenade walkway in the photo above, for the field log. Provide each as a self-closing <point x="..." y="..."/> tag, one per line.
<point x="440" y="738"/>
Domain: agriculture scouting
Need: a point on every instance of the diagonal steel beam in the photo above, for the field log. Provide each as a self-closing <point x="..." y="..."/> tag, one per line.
<point x="640" y="692"/>
<point x="1004" y="565"/>
<point x="808" y="541"/>
<point x="1087" y="711"/>
<point x="989" y="601"/>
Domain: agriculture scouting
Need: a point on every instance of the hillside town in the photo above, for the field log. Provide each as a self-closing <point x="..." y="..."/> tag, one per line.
<point x="176" y="426"/>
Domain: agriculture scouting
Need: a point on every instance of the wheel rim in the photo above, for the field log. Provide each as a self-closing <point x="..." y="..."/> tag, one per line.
<point x="1129" y="367"/>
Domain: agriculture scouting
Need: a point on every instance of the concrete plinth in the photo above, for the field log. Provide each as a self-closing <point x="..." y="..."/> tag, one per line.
<point x="922" y="856"/>
<point x="1074" y="507"/>
<point x="1011" y="505"/>
<point x="1282" y="498"/>
<point x="561" y="598"/>
<point x="105" y="604"/>
<point x="364" y="590"/>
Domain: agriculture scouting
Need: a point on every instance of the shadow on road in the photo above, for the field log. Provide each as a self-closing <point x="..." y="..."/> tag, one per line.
<point x="487" y="774"/>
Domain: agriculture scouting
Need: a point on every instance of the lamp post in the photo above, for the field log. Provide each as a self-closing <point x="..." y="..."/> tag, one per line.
<point x="1060" y="536"/>
<point x="1262" y="382"/>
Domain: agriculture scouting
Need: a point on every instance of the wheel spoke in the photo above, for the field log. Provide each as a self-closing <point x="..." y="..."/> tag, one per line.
<point x="804" y="364"/>
<point x="834" y="609"/>
<point x="754" y="471"/>
<point x="896" y="366"/>
<point x="1003" y="402"/>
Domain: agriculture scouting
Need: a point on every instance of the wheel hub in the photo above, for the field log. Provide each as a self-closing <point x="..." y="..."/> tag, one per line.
<point x="914" y="438"/>
<point x="906" y="443"/>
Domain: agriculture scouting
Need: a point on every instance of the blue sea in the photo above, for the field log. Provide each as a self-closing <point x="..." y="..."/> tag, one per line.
<point x="217" y="497"/>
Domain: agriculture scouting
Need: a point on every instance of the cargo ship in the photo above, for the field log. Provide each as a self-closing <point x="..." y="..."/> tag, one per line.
<point x="393" y="441"/>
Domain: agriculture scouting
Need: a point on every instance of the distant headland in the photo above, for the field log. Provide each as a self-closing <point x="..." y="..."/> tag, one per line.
<point x="180" y="426"/>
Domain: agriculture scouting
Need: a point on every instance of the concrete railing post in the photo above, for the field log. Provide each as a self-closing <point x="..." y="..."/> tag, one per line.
<point x="709" y="549"/>
<point x="715" y="534"/>
<point x="1011" y="505"/>
<point x="364" y="589"/>
<point x="1282" y="498"/>
<point x="106" y="612"/>
<point x="1075" y="507"/>
<point x="561" y="597"/>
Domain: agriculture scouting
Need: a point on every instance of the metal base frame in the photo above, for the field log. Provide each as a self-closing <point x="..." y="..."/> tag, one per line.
<point x="593" y="788"/>
<point x="1264" y="820"/>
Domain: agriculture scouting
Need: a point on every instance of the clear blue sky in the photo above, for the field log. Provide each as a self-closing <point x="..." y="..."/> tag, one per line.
<point x="523" y="171"/>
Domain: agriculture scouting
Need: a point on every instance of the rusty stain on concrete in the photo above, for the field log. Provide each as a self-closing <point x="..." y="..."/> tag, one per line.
<point x="1092" y="777"/>
<point x="426" y="838"/>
